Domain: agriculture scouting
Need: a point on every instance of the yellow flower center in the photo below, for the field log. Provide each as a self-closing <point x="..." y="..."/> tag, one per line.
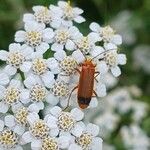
<point x="11" y="95"/>
<point x="39" y="129"/>
<point x="39" y="66"/>
<point x="15" y="59"/>
<point x="49" y="144"/>
<point x="65" y="121"/>
<point x="33" y="38"/>
<point x="8" y="139"/>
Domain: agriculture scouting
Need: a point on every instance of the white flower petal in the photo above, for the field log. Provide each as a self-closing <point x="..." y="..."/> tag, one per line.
<point x="4" y="107"/>
<point x="116" y="71"/>
<point x="79" y="19"/>
<point x="4" y="79"/>
<point x="25" y="96"/>
<point x="74" y="147"/>
<point x="28" y="17"/>
<point x="20" y="36"/>
<point x="31" y="81"/>
<point x="26" y="66"/>
<point x="122" y="59"/>
<point x="55" y="23"/>
<point x="15" y="83"/>
<point x="1" y="125"/>
<point x="94" y="102"/>
<point x="33" y="108"/>
<point x="63" y="142"/>
<point x="95" y="27"/>
<point x="9" y="70"/>
<point x="19" y="129"/>
<point x="57" y="47"/>
<point x="54" y="132"/>
<point x="60" y="55"/>
<point x="94" y="37"/>
<point x="48" y="79"/>
<point x="78" y="56"/>
<point x="102" y="67"/>
<point x="38" y="8"/>
<point x="97" y="143"/>
<point x="48" y="34"/>
<point x="70" y="45"/>
<point x="77" y="130"/>
<point x="52" y="63"/>
<point x="10" y="121"/>
<point x="14" y="47"/>
<point x="32" y="117"/>
<point x="101" y="90"/>
<point x="77" y="114"/>
<point x="92" y="129"/>
<point x="110" y="46"/>
<point x="36" y="144"/>
<point x="77" y="10"/>
<point x="42" y="48"/>
<point x="56" y="111"/>
<point x="51" y="99"/>
<point x="26" y="137"/>
<point x="116" y="39"/>
<point x="15" y="107"/>
<point x="3" y="55"/>
<point x="52" y="122"/>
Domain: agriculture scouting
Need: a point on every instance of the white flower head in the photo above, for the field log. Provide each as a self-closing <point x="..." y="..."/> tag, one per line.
<point x="88" y="139"/>
<point x="111" y="59"/>
<point x="44" y="70"/>
<point x="35" y="36"/>
<point x="64" y="122"/>
<point x="9" y="137"/>
<point x="12" y="96"/>
<point x="67" y="64"/>
<point x="86" y="44"/>
<point x="70" y="14"/>
<point x="18" y="57"/>
<point x="64" y="38"/>
<point x="107" y="34"/>
<point x="45" y="16"/>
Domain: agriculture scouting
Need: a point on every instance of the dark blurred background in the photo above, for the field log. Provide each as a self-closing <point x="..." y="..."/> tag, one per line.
<point x="130" y="18"/>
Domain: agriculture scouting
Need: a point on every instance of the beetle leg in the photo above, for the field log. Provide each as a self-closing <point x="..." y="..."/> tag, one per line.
<point x="96" y="74"/>
<point x="95" y="94"/>
<point x="78" y="71"/>
<point x="68" y="102"/>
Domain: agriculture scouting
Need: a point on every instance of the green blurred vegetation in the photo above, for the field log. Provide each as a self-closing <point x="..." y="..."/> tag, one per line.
<point x="101" y="11"/>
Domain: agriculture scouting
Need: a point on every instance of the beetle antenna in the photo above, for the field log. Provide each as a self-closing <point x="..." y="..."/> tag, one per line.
<point x="102" y="53"/>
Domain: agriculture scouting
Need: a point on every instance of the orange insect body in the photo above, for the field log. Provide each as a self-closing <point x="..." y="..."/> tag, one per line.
<point x="86" y="84"/>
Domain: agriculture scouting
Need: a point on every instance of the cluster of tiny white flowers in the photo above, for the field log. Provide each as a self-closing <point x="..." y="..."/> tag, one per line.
<point x="42" y="69"/>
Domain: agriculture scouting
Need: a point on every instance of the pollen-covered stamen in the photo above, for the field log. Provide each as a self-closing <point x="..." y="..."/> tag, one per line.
<point x="68" y="12"/>
<point x="61" y="36"/>
<point x="39" y="129"/>
<point x="111" y="58"/>
<point x="21" y="116"/>
<point x="66" y="121"/>
<point x="43" y="16"/>
<point x="68" y="65"/>
<point x="49" y="144"/>
<point x="39" y="66"/>
<point x="84" y="140"/>
<point x="107" y="33"/>
<point x="38" y="93"/>
<point x="60" y="89"/>
<point x="33" y="38"/>
<point x="15" y="59"/>
<point x="11" y="95"/>
<point x="8" y="139"/>
<point x="84" y="45"/>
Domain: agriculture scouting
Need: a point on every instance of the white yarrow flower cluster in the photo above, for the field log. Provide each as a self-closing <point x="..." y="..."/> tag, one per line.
<point x="42" y="68"/>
